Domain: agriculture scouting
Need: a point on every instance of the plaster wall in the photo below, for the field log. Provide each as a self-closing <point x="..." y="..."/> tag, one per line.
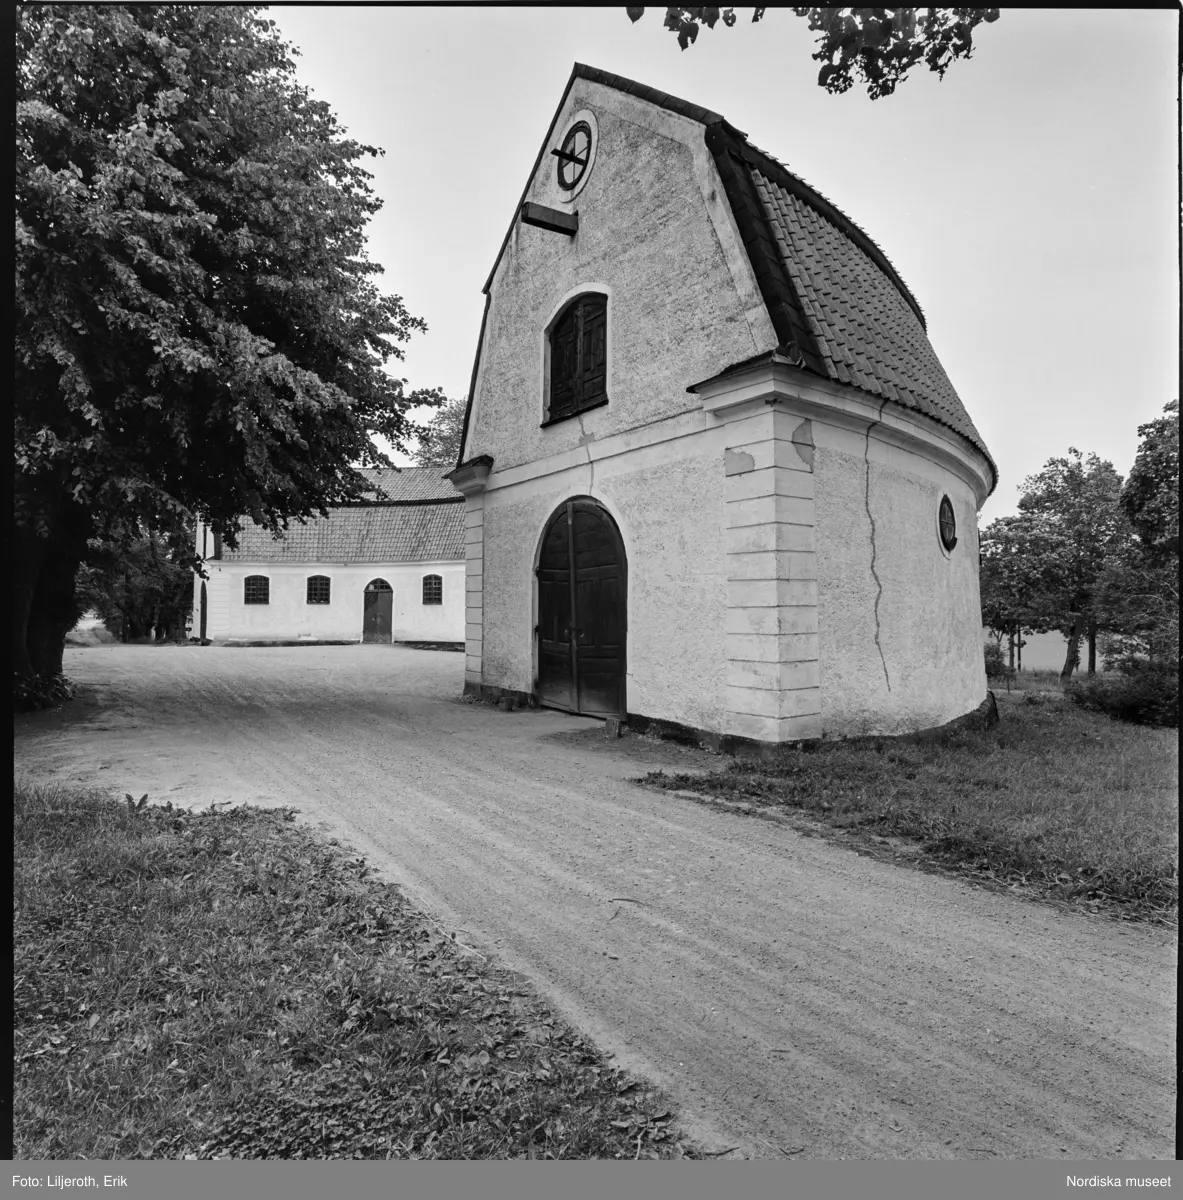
<point x="655" y="234"/>
<point x="673" y="525"/>
<point x="289" y="616"/>
<point x="899" y="619"/>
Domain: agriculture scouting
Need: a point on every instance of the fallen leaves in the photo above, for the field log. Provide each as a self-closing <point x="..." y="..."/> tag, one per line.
<point x="224" y="984"/>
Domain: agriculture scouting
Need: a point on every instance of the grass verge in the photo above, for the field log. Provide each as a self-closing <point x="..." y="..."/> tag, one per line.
<point x="1054" y="801"/>
<point x="232" y="985"/>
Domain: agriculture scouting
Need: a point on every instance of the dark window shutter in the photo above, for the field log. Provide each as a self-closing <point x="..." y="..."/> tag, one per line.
<point x="564" y="364"/>
<point x="593" y="352"/>
<point x="579" y="358"/>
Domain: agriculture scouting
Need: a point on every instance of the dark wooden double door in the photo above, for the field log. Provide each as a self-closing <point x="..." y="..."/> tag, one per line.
<point x="582" y="612"/>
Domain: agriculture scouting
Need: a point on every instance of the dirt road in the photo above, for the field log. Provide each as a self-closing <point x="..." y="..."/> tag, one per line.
<point x="794" y="997"/>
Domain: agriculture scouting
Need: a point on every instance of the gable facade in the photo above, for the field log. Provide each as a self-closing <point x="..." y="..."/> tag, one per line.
<point x="770" y="447"/>
<point x="390" y="570"/>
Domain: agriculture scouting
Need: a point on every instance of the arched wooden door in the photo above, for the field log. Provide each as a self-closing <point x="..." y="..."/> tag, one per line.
<point x="378" y="612"/>
<point x="582" y="611"/>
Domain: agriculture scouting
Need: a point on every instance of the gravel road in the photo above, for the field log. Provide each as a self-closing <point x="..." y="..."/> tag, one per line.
<point x="794" y="997"/>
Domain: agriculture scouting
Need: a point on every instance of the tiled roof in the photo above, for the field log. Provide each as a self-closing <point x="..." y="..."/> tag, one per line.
<point x="864" y="329"/>
<point x="377" y="533"/>
<point x="838" y="306"/>
<point x="411" y="483"/>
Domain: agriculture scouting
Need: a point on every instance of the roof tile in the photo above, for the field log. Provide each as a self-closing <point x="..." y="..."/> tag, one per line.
<point x="421" y="519"/>
<point x="867" y="333"/>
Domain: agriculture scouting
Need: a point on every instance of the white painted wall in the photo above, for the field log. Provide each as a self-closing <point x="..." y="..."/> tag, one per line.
<point x="288" y="616"/>
<point x="672" y="529"/>
<point x="902" y="652"/>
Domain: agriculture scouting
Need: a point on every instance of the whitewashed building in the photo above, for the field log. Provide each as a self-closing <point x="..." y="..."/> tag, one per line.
<point x="388" y="570"/>
<point x="715" y="476"/>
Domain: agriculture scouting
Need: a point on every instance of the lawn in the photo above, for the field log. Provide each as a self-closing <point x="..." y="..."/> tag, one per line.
<point x="1054" y="801"/>
<point x="229" y="984"/>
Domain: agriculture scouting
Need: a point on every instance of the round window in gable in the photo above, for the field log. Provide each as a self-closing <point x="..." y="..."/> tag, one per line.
<point x="574" y="155"/>
<point x="947" y="523"/>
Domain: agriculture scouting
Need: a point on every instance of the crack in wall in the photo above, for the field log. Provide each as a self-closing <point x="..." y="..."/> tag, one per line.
<point x="585" y="440"/>
<point x="874" y="549"/>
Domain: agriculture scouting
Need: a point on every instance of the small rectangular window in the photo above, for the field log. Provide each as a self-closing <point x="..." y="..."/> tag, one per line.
<point x="433" y="589"/>
<point x="256" y="589"/>
<point x="318" y="589"/>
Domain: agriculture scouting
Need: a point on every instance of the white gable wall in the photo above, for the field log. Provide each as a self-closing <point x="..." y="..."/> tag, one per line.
<point x="656" y="235"/>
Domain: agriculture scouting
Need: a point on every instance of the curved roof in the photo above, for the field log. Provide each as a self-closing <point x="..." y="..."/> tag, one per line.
<point x="837" y="304"/>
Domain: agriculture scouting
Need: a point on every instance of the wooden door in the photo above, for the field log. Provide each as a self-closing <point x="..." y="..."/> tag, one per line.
<point x="582" y="612"/>
<point x="378" y="611"/>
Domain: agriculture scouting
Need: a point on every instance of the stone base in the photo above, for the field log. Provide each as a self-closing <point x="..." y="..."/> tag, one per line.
<point x="985" y="716"/>
<point x="497" y="695"/>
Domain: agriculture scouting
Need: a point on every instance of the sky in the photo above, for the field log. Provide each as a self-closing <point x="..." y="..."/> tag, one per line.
<point x="1029" y="199"/>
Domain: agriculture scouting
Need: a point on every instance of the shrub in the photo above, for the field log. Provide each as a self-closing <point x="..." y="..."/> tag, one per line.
<point x="1142" y="693"/>
<point x="996" y="664"/>
<point x="40" y="691"/>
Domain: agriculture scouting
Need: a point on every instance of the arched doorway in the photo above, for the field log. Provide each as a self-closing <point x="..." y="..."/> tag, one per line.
<point x="379" y="608"/>
<point x="582" y="611"/>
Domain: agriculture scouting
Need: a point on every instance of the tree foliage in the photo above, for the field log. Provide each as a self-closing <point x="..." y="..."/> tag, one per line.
<point x="439" y="442"/>
<point x="1042" y="568"/>
<point x="876" y="46"/>
<point x="142" y="587"/>
<point x="1151" y="493"/>
<point x="1092" y="558"/>
<point x="198" y="331"/>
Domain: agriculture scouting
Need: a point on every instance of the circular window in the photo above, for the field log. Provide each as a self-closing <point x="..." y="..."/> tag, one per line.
<point x="574" y="155"/>
<point x="947" y="523"/>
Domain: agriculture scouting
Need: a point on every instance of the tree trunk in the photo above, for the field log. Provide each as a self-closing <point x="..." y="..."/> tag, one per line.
<point x="1019" y="646"/>
<point x="1092" y="646"/>
<point x="54" y="611"/>
<point x="1011" y="647"/>
<point x="28" y="558"/>
<point x="1072" y="659"/>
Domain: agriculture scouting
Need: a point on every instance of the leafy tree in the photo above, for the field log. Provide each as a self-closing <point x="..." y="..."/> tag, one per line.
<point x="1140" y="587"/>
<point x="141" y="588"/>
<point x="1138" y="604"/>
<point x="439" y="442"/>
<point x="878" y="46"/>
<point x="1151" y="494"/>
<point x="1070" y="513"/>
<point x="198" y="332"/>
<point x="1012" y="554"/>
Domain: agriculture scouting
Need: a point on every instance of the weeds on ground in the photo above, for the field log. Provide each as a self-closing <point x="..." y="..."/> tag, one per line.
<point x="1054" y="800"/>
<point x="230" y="985"/>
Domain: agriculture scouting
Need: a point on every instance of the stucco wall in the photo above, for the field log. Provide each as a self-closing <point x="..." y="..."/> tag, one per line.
<point x="655" y="232"/>
<point x="288" y="615"/>
<point x="672" y="525"/>
<point x="899" y="620"/>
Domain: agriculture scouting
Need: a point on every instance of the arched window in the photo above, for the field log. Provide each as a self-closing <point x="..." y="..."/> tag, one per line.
<point x="578" y="357"/>
<point x="318" y="589"/>
<point x="256" y="589"/>
<point x="433" y="589"/>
